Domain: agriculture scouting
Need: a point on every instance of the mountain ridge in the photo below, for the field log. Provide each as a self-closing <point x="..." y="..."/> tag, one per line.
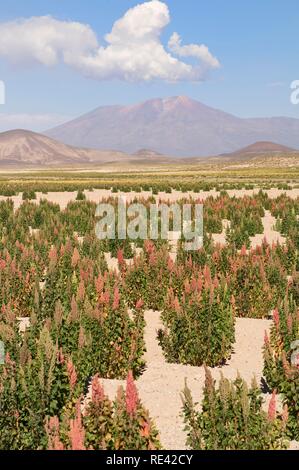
<point x="20" y="147"/>
<point x="261" y="147"/>
<point x="177" y="126"/>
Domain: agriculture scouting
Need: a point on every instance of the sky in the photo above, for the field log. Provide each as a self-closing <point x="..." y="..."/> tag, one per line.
<point x="60" y="59"/>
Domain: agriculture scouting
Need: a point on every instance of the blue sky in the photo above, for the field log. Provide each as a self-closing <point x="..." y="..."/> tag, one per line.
<point x="255" y="42"/>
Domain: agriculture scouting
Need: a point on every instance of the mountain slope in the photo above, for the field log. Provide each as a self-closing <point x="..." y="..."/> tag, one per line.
<point x="257" y="155"/>
<point x="177" y="126"/>
<point x="25" y="148"/>
<point x="259" y="148"/>
<point x="30" y="148"/>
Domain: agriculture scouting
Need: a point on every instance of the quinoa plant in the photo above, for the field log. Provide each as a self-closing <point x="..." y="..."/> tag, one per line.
<point x="232" y="418"/>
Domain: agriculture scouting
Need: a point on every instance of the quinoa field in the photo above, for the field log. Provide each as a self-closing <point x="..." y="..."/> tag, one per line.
<point x="133" y="344"/>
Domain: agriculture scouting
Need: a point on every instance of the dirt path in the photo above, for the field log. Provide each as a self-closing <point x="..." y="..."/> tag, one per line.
<point x="270" y="234"/>
<point x="161" y="384"/>
<point x="221" y="237"/>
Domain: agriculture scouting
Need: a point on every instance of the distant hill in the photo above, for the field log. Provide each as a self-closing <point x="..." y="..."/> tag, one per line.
<point x="259" y="148"/>
<point x="177" y="126"/>
<point x="150" y="153"/>
<point x="22" y="149"/>
<point x="29" y="148"/>
<point x="19" y="148"/>
<point x="260" y="154"/>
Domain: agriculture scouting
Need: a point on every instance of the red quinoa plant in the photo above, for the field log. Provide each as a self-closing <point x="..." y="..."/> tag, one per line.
<point x="101" y="424"/>
<point x="199" y="324"/>
<point x="232" y="418"/>
<point x="148" y="277"/>
<point x="281" y="359"/>
<point x="31" y="389"/>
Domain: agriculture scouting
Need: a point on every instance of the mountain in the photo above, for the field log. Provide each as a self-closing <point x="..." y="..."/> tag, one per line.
<point x="21" y="148"/>
<point x="257" y="149"/>
<point x="29" y="148"/>
<point x="258" y="155"/>
<point x="177" y="126"/>
<point x="25" y="148"/>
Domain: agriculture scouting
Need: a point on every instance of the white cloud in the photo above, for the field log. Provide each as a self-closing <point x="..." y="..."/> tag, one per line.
<point x="44" y="40"/>
<point x="134" y="50"/>
<point x="192" y="50"/>
<point x="33" y="122"/>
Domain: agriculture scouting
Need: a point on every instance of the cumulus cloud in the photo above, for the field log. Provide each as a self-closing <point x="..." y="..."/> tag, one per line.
<point x="201" y="52"/>
<point x="133" y="49"/>
<point x="45" y="40"/>
<point x="33" y="122"/>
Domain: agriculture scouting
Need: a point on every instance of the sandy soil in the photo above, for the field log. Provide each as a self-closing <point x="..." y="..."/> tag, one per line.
<point x="63" y="198"/>
<point x="112" y="263"/>
<point x="221" y="237"/>
<point x="24" y="323"/>
<point x="161" y="384"/>
<point x="270" y="234"/>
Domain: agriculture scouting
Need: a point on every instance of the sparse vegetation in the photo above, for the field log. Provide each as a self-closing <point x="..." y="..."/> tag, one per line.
<point x="85" y="321"/>
<point x="232" y="418"/>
